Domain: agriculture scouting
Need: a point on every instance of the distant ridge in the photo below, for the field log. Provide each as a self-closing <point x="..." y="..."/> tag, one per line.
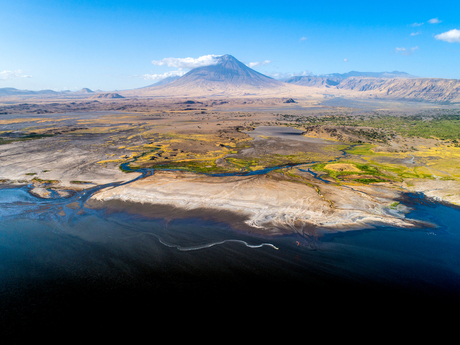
<point x="334" y="79"/>
<point x="419" y="89"/>
<point x="394" y="74"/>
<point x="314" y="81"/>
<point x="11" y="91"/>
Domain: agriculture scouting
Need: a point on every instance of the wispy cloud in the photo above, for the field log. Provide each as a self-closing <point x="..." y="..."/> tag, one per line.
<point x="416" y="24"/>
<point x="345" y="60"/>
<point x="5" y="75"/>
<point x="187" y="62"/>
<point x="258" y="64"/>
<point x="452" y="36"/>
<point x="406" y="51"/>
<point x="434" y="21"/>
<point x="415" y="33"/>
<point x="282" y="76"/>
<point x="302" y="39"/>
<point x="160" y="76"/>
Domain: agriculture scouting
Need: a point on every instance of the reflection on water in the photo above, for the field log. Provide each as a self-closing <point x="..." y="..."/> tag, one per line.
<point x="60" y="258"/>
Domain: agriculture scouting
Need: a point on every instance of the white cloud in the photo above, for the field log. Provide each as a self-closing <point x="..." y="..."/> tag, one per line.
<point x="406" y="51"/>
<point x="258" y="64"/>
<point x="345" y="60"/>
<point x="188" y="62"/>
<point x="434" y="21"/>
<point x="160" y="76"/>
<point x="415" y="33"/>
<point x="416" y="24"/>
<point x="449" y="36"/>
<point x="302" y="39"/>
<point x="4" y="75"/>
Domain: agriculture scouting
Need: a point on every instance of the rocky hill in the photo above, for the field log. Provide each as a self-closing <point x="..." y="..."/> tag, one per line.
<point x="108" y="95"/>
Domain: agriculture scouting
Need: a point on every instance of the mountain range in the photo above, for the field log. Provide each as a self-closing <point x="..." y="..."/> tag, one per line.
<point x="11" y="91"/>
<point x="228" y="77"/>
<point x="334" y="79"/>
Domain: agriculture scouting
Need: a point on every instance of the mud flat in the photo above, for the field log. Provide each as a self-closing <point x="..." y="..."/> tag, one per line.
<point x="270" y="206"/>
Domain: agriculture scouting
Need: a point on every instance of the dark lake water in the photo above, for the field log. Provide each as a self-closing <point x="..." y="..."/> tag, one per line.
<point x="55" y="268"/>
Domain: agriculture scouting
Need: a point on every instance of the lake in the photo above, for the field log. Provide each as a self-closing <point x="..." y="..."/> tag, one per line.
<point x="55" y="266"/>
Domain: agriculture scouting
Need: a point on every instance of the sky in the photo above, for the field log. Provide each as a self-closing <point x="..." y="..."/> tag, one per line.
<point x="118" y="45"/>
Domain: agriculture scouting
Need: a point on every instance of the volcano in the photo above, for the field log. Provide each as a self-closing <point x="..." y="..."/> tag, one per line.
<point x="227" y="71"/>
<point x="226" y="77"/>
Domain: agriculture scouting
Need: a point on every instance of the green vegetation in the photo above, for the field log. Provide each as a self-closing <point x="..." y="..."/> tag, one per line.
<point x="441" y="126"/>
<point x="192" y="166"/>
<point x="31" y="136"/>
<point x="36" y="179"/>
<point x="362" y="149"/>
<point x="368" y="180"/>
<point x="356" y="169"/>
<point x="394" y="205"/>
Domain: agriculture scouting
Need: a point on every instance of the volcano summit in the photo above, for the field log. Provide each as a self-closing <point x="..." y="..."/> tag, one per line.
<point x="228" y="71"/>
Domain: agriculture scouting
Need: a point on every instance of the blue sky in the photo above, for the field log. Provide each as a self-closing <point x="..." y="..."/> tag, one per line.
<point x="110" y="45"/>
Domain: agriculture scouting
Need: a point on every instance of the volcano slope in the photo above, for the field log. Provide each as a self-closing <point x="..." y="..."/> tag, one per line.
<point x="227" y="77"/>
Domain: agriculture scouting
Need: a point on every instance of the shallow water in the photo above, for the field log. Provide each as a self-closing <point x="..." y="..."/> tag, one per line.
<point x="288" y="133"/>
<point x="95" y="262"/>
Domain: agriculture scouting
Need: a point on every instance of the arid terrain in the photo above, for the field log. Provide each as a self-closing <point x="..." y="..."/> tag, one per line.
<point x="281" y="167"/>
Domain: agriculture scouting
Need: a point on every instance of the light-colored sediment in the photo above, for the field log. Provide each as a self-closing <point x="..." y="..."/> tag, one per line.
<point x="439" y="190"/>
<point x="57" y="163"/>
<point x="267" y="202"/>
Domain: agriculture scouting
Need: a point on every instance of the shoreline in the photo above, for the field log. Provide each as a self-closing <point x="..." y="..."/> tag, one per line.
<point x="171" y="213"/>
<point x="261" y="204"/>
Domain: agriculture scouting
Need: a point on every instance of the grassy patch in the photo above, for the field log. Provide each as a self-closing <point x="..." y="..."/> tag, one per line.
<point x="361" y="149"/>
<point x="39" y="180"/>
<point x="394" y="205"/>
<point x="368" y="180"/>
<point x="340" y="175"/>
